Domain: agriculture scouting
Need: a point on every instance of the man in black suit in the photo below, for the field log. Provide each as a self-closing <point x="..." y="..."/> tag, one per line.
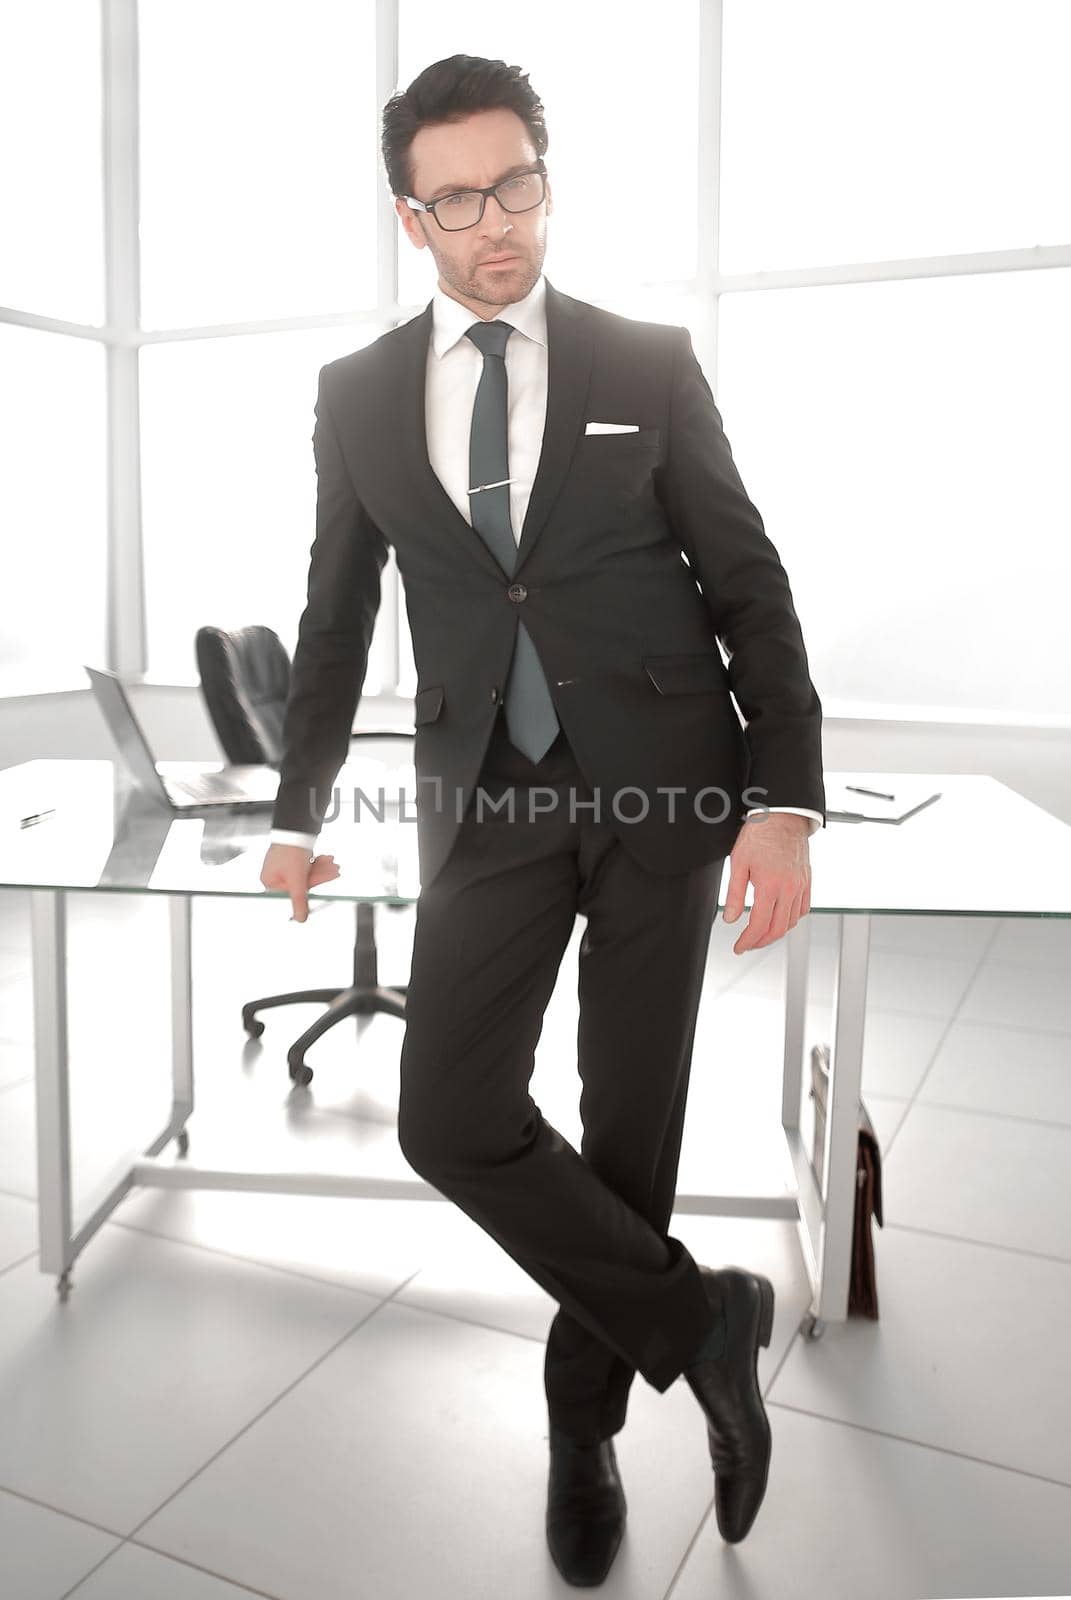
<point x="574" y="539"/>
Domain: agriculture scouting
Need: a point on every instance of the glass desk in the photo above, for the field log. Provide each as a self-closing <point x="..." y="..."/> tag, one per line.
<point x="951" y="858"/>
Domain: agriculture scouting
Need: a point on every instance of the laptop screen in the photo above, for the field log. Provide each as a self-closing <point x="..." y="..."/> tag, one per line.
<point x="126" y="731"/>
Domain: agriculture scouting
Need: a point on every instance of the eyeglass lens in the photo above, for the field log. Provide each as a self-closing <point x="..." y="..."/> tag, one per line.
<point x="515" y="194"/>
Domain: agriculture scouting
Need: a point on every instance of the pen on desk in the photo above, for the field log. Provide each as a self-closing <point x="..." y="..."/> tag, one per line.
<point x="38" y="816"/>
<point x="875" y="792"/>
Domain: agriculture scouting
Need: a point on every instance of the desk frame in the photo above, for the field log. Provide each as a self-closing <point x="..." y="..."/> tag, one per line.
<point x="824" y="1212"/>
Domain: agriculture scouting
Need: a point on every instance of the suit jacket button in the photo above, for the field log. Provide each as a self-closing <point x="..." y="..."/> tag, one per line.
<point x="517" y="591"/>
<point x="494" y="695"/>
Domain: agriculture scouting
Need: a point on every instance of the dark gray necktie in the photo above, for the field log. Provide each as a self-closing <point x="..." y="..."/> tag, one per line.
<point x="530" y="716"/>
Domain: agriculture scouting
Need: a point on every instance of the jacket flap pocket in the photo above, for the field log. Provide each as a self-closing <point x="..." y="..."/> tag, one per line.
<point x="683" y="674"/>
<point x="427" y="703"/>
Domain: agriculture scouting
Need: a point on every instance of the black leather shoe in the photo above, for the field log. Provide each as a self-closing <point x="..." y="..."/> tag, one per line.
<point x="728" y="1390"/>
<point x="585" y="1508"/>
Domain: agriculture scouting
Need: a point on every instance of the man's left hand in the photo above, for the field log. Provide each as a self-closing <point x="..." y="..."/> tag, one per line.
<point x="772" y="851"/>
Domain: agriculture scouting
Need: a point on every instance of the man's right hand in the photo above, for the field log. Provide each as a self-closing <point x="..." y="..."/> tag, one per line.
<point x="289" y="867"/>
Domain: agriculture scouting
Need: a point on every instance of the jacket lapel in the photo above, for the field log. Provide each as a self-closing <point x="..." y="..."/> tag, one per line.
<point x="569" y="354"/>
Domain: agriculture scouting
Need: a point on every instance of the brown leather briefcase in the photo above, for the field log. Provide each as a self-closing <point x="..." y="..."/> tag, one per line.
<point x="863" y="1287"/>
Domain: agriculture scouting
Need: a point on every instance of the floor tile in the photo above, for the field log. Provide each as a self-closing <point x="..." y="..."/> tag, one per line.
<point x="1013" y="994"/>
<point x="850" y="1513"/>
<point x="134" y="1573"/>
<point x="961" y="937"/>
<point x="1018" y="1072"/>
<point x="996" y="1180"/>
<point x="18" y="1230"/>
<point x="42" y="1552"/>
<point x="16" y="1007"/>
<point x="898" y="1048"/>
<point x="16" y="1061"/>
<point x="357" y="1243"/>
<point x="413" y="1460"/>
<point x="970" y="1354"/>
<point x="1033" y="942"/>
<point x="159" y="1356"/>
<point x="925" y="985"/>
<point x="18" y="1140"/>
<point x="928" y="985"/>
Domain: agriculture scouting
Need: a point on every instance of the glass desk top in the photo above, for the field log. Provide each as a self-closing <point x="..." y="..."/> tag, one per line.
<point x="980" y="850"/>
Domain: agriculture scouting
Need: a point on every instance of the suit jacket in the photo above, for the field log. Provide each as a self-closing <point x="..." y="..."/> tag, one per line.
<point x="639" y="552"/>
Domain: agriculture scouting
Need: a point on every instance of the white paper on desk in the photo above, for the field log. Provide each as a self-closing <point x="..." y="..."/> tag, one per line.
<point x="907" y="799"/>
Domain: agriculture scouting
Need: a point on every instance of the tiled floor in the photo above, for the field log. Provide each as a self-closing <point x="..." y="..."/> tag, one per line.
<point x="314" y="1398"/>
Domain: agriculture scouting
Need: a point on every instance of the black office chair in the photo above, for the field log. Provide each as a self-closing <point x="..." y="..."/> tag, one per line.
<point x="245" y="680"/>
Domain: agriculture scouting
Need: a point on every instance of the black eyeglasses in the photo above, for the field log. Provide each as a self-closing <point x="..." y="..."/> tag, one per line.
<point x="523" y="192"/>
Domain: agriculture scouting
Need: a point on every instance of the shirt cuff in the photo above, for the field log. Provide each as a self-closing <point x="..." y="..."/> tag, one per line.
<point x="797" y="811"/>
<point x="285" y="836"/>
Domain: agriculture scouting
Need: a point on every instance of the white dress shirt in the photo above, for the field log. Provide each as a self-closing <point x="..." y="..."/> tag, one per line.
<point x="452" y="375"/>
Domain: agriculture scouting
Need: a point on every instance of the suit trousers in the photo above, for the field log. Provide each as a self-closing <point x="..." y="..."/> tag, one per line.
<point x="490" y="932"/>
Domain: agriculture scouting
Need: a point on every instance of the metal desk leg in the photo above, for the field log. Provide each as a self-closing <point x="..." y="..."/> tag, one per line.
<point x="179" y="906"/>
<point x="48" y="921"/>
<point x="797" y="970"/>
<point x="59" y="1245"/>
<point x="178" y="909"/>
<point x="842" y="1122"/>
<point x="808" y="1194"/>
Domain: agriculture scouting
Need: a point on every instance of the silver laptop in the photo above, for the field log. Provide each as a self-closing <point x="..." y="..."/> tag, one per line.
<point x="234" y="786"/>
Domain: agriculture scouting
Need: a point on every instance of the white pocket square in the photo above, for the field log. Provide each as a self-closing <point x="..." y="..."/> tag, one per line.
<point x="612" y="427"/>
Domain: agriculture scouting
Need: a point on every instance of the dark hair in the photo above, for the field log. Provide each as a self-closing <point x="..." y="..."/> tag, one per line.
<point x="448" y="91"/>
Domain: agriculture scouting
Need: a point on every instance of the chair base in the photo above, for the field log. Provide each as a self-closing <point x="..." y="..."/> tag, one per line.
<point x="361" y="998"/>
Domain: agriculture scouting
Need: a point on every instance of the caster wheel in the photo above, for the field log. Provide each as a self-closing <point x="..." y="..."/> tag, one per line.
<point x="300" y="1073"/>
<point x="182" y="1140"/>
<point x="252" y="1025"/>
<point x="812" y="1328"/>
<point x="63" y="1285"/>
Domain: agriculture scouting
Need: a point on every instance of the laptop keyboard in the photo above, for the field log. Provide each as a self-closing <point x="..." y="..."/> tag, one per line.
<point x="208" y="786"/>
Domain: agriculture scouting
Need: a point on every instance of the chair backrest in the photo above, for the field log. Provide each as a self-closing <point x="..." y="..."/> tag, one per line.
<point x="245" y="680"/>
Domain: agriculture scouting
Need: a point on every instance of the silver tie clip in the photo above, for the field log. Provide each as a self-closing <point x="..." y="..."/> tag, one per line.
<point x="497" y="485"/>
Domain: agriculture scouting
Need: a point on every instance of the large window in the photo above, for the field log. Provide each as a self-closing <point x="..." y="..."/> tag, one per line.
<point x="258" y="159"/>
<point x="228" y="485"/>
<point x="52" y="502"/>
<point x="867" y="132"/>
<point x="860" y="212"/>
<point x="51" y="210"/>
<point x="905" y="442"/>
